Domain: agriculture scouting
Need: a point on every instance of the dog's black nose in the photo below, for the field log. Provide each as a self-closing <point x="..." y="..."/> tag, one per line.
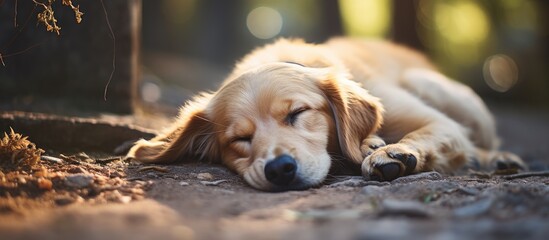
<point x="281" y="170"/>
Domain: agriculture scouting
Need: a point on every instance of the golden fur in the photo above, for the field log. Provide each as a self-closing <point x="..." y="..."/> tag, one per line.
<point x="375" y="104"/>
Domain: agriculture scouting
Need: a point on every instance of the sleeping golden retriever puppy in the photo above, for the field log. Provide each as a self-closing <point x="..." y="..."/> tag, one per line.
<point x="290" y="109"/>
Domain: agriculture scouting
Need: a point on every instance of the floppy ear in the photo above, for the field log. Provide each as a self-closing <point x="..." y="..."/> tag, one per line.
<point x="357" y="114"/>
<point x="190" y="137"/>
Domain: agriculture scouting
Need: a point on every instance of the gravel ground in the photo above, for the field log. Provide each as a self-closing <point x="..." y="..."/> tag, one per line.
<point x="116" y="199"/>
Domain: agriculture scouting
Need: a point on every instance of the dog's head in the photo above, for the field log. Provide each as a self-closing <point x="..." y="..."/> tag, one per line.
<point x="277" y="126"/>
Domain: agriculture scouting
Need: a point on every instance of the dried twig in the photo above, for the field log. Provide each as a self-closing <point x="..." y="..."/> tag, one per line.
<point x="77" y="13"/>
<point x="155" y="168"/>
<point x="19" y="31"/>
<point x="24" y="50"/>
<point x="51" y="159"/>
<point x="107" y="160"/>
<point x="15" y="15"/>
<point x="71" y="159"/>
<point x="213" y="183"/>
<point x="113" y="50"/>
<point x="47" y="17"/>
<point x="527" y="174"/>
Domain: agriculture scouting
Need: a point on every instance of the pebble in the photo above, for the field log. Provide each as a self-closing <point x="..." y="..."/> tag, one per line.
<point x="322" y="215"/>
<point x="77" y="169"/>
<point x="125" y="199"/>
<point x="45" y="184"/>
<point x="372" y="190"/>
<point x="213" y="183"/>
<point x="118" y="174"/>
<point x="51" y="159"/>
<point x="418" y="177"/>
<point x="205" y="176"/>
<point x="79" y="180"/>
<point x="392" y="207"/>
<point x="152" y="175"/>
<point x="225" y="191"/>
<point x="474" y="209"/>
<point x="21" y="180"/>
<point x="356" y="182"/>
<point x="64" y="200"/>
<point x="468" y="190"/>
<point x="183" y="183"/>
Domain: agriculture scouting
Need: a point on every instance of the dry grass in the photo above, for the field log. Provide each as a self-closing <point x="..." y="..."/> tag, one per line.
<point x="17" y="152"/>
<point x="47" y="16"/>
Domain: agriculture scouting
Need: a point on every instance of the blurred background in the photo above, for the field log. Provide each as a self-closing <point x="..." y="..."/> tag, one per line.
<point x="500" y="48"/>
<point x="168" y="50"/>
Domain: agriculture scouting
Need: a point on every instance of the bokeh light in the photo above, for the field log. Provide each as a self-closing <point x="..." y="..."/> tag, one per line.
<point x="457" y="33"/>
<point x="366" y="18"/>
<point x="150" y="92"/>
<point x="462" y="22"/>
<point x="264" y="22"/>
<point x="500" y="72"/>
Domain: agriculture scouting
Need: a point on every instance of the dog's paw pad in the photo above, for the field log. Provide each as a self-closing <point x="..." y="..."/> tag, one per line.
<point x="390" y="171"/>
<point x="408" y="159"/>
<point x="390" y="162"/>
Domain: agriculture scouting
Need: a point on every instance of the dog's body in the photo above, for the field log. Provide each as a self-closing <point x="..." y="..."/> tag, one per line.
<point x="290" y="108"/>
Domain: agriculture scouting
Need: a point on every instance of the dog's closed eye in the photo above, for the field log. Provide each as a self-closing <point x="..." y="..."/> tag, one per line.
<point x="292" y="117"/>
<point x="242" y="139"/>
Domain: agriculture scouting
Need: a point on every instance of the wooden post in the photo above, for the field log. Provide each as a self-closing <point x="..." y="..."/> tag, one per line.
<point x="405" y="24"/>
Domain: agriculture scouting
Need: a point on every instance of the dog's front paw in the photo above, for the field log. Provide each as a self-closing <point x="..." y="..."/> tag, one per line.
<point x="390" y="162"/>
<point x="370" y="144"/>
<point x="508" y="161"/>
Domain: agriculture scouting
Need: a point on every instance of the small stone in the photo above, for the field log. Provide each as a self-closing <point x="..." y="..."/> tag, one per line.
<point x="418" y="177"/>
<point x="356" y="182"/>
<point x="64" y="200"/>
<point x="213" y="183"/>
<point x="79" y="180"/>
<point x="205" y="176"/>
<point x="44" y="184"/>
<point x="125" y="199"/>
<point x="322" y="214"/>
<point x="404" y="208"/>
<point x="118" y="174"/>
<point x="349" y="182"/>
<point x="77" y="169"/>
<point x="372" y="190"/>
<point x="138" y="197"/>
<point x="225" y="191"/>
<point x="51" y="159"/>
<point x="21" y="180"/>
<point x="183" y="183"/>
<point x="135" y="190"/>
<point x="475" y="209"/>
<point x="468" y="190"/>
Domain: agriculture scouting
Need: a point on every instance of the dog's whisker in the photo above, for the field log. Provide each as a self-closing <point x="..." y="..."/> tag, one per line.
<point x="210" y="121"/>
<point x="210" y="133"/>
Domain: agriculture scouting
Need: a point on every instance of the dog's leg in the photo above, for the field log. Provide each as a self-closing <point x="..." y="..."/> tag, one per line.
<point x="424" y="139"/>
<point x="455" y="100"/>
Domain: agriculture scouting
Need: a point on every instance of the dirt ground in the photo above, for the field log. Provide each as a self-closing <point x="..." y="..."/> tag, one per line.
<point x="96" y="196"/>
